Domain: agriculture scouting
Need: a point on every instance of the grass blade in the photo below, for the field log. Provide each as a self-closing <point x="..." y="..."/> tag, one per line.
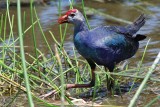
<point x="23" y="55"/>
<point x="132" y="102"/>
<point x="61" y="73"/>
<point x="153" y="101"/>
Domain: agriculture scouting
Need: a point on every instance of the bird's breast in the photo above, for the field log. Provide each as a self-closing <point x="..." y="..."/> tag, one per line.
<point x="84" y="46"/>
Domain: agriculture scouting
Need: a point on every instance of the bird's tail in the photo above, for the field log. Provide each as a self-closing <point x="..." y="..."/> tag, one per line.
<point x="139" y="37"/>
<point x="140" y="21"/>
<point x="137" y="24"/>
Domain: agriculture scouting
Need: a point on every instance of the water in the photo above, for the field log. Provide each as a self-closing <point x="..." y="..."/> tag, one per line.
<point x="48" y="16"/>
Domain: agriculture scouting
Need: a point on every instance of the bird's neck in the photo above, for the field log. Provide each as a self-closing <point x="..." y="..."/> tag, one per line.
<point x="81" y="26"/>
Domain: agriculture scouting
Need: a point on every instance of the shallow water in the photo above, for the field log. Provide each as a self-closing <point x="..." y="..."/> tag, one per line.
<point x="48" y="17"/>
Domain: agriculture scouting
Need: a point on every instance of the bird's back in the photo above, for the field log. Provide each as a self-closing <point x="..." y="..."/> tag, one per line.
<point x="105" y="46"/>
<point x="108" y="45"/>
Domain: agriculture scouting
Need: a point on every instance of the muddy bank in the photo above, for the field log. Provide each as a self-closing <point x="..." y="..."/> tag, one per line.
<point x="23" y="2"/>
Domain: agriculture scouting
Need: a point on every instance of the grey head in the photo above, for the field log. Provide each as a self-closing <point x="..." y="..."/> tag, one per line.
<point x="72" y="16"/>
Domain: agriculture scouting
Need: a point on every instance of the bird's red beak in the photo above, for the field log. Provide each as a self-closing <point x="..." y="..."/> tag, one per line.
<point x="63" y="19"/>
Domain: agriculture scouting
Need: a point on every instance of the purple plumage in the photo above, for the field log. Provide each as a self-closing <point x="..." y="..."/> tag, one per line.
<point x="105" y="45"/>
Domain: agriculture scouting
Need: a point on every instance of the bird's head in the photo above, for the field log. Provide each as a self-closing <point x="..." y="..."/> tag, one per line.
<point x="71" y="16"/>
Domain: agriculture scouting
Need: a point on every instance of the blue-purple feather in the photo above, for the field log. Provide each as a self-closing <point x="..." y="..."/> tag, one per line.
<point x="108" y="45"/>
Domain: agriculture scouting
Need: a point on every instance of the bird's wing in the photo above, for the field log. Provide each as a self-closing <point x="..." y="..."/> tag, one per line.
<point x="107" y="37"/>
<point x="130" y="29"/>
<point x="119" y="29"/>
<point x="109" y="30"/>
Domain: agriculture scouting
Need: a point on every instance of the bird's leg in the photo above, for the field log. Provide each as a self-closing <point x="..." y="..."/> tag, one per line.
<point x="68" y="86"/>
<point x="110" y="83"/>
<point x="110" y="80"/>
<point x="91" y="84"/>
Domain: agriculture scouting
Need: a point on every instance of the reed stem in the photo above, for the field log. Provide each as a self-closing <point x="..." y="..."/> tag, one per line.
<point x="151" y="70"/>
<point x="31" y="104"/>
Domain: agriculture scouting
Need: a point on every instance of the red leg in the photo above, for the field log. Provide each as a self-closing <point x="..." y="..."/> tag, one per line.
<point x="91" y="84"/>
<point x="68" y="86"/>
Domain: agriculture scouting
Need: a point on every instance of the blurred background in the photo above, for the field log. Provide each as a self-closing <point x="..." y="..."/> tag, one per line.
<point x="97" y="13"/>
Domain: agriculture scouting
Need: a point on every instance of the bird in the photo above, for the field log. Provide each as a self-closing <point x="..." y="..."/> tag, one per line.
<point x="103" y="45"/>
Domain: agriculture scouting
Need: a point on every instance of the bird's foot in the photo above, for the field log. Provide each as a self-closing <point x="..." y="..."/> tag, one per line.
<point x="123" y="88"/>
<point x="122" y="65"/>
<point x="55" y="92"/>
<point x="95" y="91"/>
<point x="51" y="93"/>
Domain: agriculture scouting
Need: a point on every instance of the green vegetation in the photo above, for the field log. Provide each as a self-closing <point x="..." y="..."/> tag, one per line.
<point x="46" y="73"/>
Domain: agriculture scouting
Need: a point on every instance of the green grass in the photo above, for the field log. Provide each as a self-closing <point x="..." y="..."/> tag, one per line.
<point x="45" y="73"/>
<point x="24" y="68"/>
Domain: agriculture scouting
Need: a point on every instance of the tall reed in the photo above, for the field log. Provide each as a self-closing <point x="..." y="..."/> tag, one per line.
<point x="31" y="104"/>
<point x="151" y="70"/>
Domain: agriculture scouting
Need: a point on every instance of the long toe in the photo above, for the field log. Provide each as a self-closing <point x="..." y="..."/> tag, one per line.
<point x="51" y="93"/>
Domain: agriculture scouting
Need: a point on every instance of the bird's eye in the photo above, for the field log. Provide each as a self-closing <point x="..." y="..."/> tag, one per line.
<point x="72" y="15"/>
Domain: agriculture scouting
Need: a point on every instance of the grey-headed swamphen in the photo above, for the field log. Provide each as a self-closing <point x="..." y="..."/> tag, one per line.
<point x="104" y="45"/>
